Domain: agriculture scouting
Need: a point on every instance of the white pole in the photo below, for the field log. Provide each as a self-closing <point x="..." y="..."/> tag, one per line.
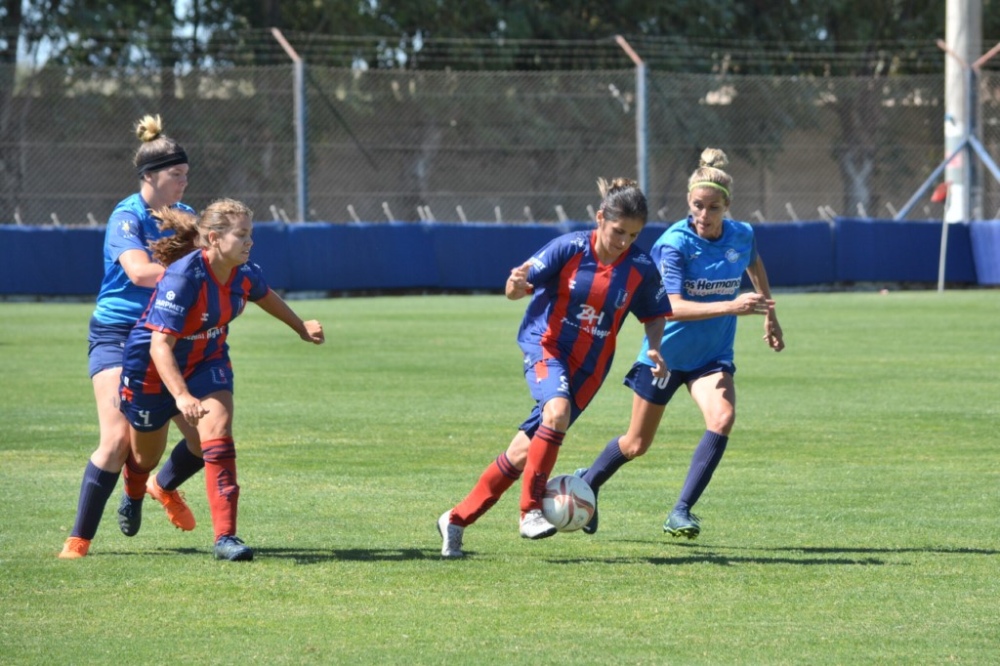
<point x="963" y="36"/>
<point x="944" y="254"/>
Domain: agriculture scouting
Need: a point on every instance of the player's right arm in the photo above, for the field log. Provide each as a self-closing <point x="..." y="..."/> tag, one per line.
<point x="140" y="269"/>
<point x="125" y="244"/>
<point x="517" y="284"/>
<point x="670" y="261"/>
<point x="161" y="351"/>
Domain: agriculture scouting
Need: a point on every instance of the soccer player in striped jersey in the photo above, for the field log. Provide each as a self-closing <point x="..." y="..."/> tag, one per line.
<point x="582" y="286"/>
<point x="702" y="259"/>
<point x="176" y="359"/>
<point x="129" y="276"/>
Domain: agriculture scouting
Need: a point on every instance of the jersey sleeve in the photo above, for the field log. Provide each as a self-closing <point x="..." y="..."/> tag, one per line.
<point x="124" y="233"/>
<point x="547" y="262"/>
<point x="174" y="297"/>
<point x="258" y="287"/>
<point x="651" y="300"/>
<point x="670" y="261"/>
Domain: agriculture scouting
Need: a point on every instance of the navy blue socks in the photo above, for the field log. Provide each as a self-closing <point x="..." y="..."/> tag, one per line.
<point x="606" y="464"/>
<point x="706" y="458"/>
<point x="180" y="466"/>
<point x="95" y="490"/>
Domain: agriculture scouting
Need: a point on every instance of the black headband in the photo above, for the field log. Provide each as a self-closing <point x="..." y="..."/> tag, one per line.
<point x="163" y="161"/>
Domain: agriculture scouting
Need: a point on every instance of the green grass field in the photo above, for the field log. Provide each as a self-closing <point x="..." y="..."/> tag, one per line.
<point x="853" y="520"/>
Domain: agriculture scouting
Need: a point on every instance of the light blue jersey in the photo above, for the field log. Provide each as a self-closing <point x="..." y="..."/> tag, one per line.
<point x="704" y="271"/>
<point x="130" y="227"/>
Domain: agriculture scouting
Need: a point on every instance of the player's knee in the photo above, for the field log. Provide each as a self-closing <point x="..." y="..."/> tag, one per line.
<point x="721" y="421"/>
<point x="113" y="449"/>
<point x="517" y="451"/>
<point x="633" y="447"/>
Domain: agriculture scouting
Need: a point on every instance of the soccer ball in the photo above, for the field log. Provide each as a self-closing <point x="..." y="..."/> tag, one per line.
<point x="569" y="503"/>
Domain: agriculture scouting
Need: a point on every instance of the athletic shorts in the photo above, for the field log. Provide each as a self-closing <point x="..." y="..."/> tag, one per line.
<point x="547" y="379"/>
<point x="106" y="345"/>
<point x="658" y="390"/>
<point x="148" y="412"/>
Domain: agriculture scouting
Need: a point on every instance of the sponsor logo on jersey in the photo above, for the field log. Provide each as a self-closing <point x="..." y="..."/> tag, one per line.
<point x="703" y="287"/>
<point x="209" y="334"/>
<point x="166" y="304"/>
<point x="589" y="321"/>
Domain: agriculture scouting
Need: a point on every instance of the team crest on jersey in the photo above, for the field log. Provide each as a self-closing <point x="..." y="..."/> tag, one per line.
<point x="732" y="255"/>
<point x="622" y="299"/>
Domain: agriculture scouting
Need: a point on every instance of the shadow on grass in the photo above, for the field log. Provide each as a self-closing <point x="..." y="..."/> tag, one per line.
<point x="709" y="554"/>
<point x="312" y="555"/>
<point x="316" y="555"/>
<point x="721" y="560"/>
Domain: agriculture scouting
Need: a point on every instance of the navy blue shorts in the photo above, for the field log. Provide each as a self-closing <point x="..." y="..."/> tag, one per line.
<point x="546" y="379"/>
<point x="106" y="345"/>
<point x="148" y="412"/>
<point x="658" y="390"/>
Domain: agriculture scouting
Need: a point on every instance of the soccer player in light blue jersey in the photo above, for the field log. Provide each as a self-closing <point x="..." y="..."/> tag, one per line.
<point x="129" y="276"/>
<point x="176" y="358"/>
<point x="702" y="260"/>
<point x="582" y="286"/>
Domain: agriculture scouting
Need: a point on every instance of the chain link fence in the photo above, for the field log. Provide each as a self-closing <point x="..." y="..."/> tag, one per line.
<point x="478" y="145"/>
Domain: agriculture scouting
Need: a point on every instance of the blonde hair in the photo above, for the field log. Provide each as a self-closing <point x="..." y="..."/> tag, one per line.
<point x="710" y="174"/>
<point x="622" y="198"/>
<point x="158" y="151"/>
<point x="191" y="231"/>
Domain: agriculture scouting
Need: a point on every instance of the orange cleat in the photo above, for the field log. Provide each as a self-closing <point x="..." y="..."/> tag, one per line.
<point x="172" y="500"/>
<point x="74" y="548"/>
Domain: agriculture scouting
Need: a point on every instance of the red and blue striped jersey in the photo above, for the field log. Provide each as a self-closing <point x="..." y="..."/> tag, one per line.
<point x="189" y="303"/>
<point x="579" y="305"/>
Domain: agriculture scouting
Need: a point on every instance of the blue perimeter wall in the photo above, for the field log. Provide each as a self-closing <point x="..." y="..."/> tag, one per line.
<point x="345" y="257"/>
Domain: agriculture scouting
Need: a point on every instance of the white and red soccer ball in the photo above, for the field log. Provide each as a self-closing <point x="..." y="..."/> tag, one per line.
<point x="569" y="502"/>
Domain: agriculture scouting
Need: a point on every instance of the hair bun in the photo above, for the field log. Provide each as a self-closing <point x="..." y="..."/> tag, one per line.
<point x="714" y="158"/>
<point x="149" y="128"/>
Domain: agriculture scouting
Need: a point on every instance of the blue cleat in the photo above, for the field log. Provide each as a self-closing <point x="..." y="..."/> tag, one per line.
<point x="681" y="522"/>
<point x="129" y="515"/>
<point x="233" y="549"/>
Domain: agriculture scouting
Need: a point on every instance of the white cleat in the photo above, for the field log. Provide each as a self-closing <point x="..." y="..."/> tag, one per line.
<point x="534" y="525"/>
<point x="451" y="537"/>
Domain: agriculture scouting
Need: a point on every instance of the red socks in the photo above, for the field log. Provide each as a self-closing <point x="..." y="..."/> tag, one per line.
<point x="220" y="482"/>
<point x="494" y="482"/>
<point x="134" y="478"/>
<point x="542" y="454"/>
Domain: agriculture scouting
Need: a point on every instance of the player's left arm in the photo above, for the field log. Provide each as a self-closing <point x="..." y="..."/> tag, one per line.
<point x="274" y="305"/>
<point x="654" y="333"/>
<point x="772" y="329"/>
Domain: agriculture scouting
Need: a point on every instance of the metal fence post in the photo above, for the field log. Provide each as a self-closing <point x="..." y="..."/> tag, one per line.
<point x="641" y="131"/>
<point x="299" y="110"/>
